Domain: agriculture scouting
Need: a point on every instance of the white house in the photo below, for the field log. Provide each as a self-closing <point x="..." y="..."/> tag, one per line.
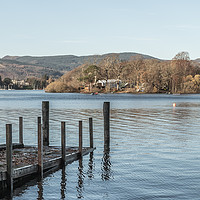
<point x="113" y="83"/>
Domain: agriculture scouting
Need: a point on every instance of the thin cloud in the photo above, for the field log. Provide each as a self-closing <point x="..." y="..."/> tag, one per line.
<point x="26" y="37"/>
<point x="74" y="41"/>
<point x="187" y="27"/>
<point x="183" y="27"/>
<point x="137" y="38"/>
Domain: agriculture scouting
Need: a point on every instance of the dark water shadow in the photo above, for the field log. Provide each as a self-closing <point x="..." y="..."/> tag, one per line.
<point x="21" y="187"/>
<point x="106" y="167"/>
<point x="80" y="185"/>
<point x="63" y="183"/>
<point x="91" y="166"/>
<point x="29" y="181"/>
<point x="6" y="195"/>
<point x="40" y="189"/>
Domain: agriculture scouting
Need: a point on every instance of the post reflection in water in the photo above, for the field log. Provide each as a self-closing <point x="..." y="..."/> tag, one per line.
<point x="91" y="167"/>
<point x="63" y="183"/>
<point x="40" y="189"/>
<point x="80" y="179"/>
<point x="106" y="167"/>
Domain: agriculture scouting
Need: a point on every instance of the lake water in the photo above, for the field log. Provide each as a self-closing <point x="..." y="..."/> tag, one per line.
<point x="155" y="148"/>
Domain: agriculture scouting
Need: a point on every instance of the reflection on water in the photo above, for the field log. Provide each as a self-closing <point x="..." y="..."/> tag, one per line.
<point x="106" y="167"/>
<point x="90" y="167"/>
<point x="80" y="186"/>
<point x="40" y="190"/>
<point x="63" y="183"/>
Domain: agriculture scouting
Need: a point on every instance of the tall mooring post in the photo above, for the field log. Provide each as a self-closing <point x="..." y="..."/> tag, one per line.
<point x="106" y="114"/>
<point x="9" y="179"/>
<point x="63" y="142"/>
<point x="91" y="132"/>
<point x="40" y="149"/>
<point x="45" y="122"/>
<point x="80" y="138"/>
<point x="21" y="130"/>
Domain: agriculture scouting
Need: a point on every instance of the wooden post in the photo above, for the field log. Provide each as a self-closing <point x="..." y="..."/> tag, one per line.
<point x="21" y="130"/>
<point x="40" y="149"/>
<point x="80" y="138"/>
<point x="63" y="142"/>
<point x="91" y="132"/>
<point x="45" y="122"/>
<point x="106" y="113"/>
<point x="9" y="179"/>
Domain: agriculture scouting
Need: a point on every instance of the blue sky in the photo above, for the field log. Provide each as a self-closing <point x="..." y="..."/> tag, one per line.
<point x="160" y="28"/>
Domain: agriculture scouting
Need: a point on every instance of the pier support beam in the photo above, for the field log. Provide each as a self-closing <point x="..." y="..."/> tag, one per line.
<point x="40" y="148"/>
<point x="63" y="143"/>
<point x="9" y="179"/>
<point x="106" y="114"/>
<point x="45" y="122"/>
<point x="91" y="132"/>
<point x="21" y="130"/>
<point x="80" y="138"/>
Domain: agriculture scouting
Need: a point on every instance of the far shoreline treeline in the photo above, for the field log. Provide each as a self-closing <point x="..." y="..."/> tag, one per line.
<point x="137" y="75"/>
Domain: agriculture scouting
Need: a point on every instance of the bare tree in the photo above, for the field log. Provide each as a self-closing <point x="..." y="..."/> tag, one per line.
<point x="180" y="69"/>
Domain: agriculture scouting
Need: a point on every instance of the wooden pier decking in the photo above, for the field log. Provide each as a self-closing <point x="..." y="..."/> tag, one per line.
<point x="19" y="162"/>
<point x="25" y="161"/>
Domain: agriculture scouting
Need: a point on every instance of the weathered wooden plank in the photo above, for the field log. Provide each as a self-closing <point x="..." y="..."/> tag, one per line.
<point x="25" y="171"/>
<point x="31" y="169"/>
<point x="14" y="146"/>
<point x="88" y="150"/>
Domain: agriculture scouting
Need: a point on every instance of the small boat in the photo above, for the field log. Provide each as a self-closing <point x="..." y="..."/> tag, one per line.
<point x="94" y="93"/>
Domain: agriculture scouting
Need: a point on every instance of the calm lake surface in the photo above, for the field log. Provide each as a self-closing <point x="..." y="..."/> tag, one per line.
<point x="155" y="148"/>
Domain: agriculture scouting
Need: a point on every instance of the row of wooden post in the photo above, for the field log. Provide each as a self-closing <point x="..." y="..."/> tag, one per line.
<point x="45" y="121"/>
<point x="45" y="127"/>
<point x="63" y="143"/>
<point x="9" y="148"/>
<point x="43" y="139"/>
<point x="106" y="114"/>
<point x="40" y="148"/>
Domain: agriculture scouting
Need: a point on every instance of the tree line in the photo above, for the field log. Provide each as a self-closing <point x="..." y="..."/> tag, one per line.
<point x="179" y="75"/>
<point x="29" y="83"/>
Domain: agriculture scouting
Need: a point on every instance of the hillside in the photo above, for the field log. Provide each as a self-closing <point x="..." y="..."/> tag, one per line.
<point x="23" y="66"/>
<point x="19" y="70"/>
<point x="178" y="75"/>
<point x="197" y="60"/>
<point x="69" y="62"/>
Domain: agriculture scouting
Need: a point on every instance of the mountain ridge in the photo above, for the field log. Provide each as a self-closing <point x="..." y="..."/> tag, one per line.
<point x="20" y="67"/>
<point x="69" y="62"/>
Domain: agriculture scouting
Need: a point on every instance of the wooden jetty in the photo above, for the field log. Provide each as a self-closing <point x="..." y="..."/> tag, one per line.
<point x="25" y="163"/>
<point x="19" y="162"/>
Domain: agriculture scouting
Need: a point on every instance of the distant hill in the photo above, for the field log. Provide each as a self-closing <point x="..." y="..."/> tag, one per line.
<point x="18" y="70"/>
<point x="23" y="66"/>
<point x="68" y="62"/>
<point x="197" y="60"/>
